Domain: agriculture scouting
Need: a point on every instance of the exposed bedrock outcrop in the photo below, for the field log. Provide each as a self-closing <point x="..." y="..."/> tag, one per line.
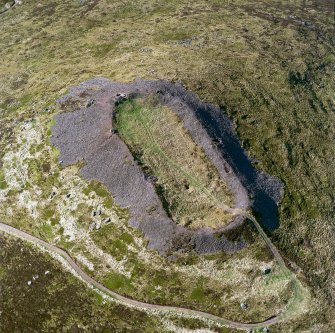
<point x="87" y="134"/>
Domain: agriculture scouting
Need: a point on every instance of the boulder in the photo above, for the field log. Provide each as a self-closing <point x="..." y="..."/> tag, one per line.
<point x="90" y="103"/>
<point x="267" y="270"/>
<point x="107" y="220"/>
<point x="244" y="306"/>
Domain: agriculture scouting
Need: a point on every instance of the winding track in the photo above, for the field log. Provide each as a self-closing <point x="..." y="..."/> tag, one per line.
<point x="142" y="305"/>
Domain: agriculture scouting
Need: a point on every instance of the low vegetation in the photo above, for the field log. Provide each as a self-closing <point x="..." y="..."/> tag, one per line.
<point x="269" y="65"/>
<point x="56" y="204"/>
<point x="66" y="304"/>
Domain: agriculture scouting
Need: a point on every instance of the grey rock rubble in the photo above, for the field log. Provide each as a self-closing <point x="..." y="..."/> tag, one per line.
<point x="267" y="270"/>
<point x="244" y="306"/>
<point x="87" y="135"/>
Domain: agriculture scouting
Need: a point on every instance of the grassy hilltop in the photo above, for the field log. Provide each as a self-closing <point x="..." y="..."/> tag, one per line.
<point x="269" y="65"/>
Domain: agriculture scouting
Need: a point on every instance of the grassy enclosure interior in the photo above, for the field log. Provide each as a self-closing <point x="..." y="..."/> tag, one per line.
<point x="189" y="186"/>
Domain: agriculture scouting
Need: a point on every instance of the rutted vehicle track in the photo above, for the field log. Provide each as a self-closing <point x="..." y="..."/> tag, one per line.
<point x="131" y="302"/>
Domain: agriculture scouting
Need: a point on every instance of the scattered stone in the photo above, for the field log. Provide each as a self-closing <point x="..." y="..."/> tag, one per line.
<point x="244" y="306"/>
<point x="107" y="220"/>
<point x="90" y="103"/>
<point x="151" y="209"/>
<point x="120" y="97"/>
<point x="185" y="42"/>
<point x="35" y="277"/>
<point x="29" y="283"/>
<point x="98" y="225"/>
<point x="150" y="178"/>
<point x="267" y="270"/>
<point x="144" y="49"/>
<point x="218" y="141"/>
<point x="46" y="272"/>
<point x="56" y="239"/>
<point x="255" y="161"/>
<point x="266" y="330"/>
<point x="8" y="5"/>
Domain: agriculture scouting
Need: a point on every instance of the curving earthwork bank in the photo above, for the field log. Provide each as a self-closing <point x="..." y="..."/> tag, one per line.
<point x="172" y="160"/>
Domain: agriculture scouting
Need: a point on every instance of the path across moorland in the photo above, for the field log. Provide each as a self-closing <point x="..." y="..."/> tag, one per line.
<point x="138" y="304"/>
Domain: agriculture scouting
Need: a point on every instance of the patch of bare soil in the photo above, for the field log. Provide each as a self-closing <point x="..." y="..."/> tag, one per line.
<point x="86" y="134"/>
